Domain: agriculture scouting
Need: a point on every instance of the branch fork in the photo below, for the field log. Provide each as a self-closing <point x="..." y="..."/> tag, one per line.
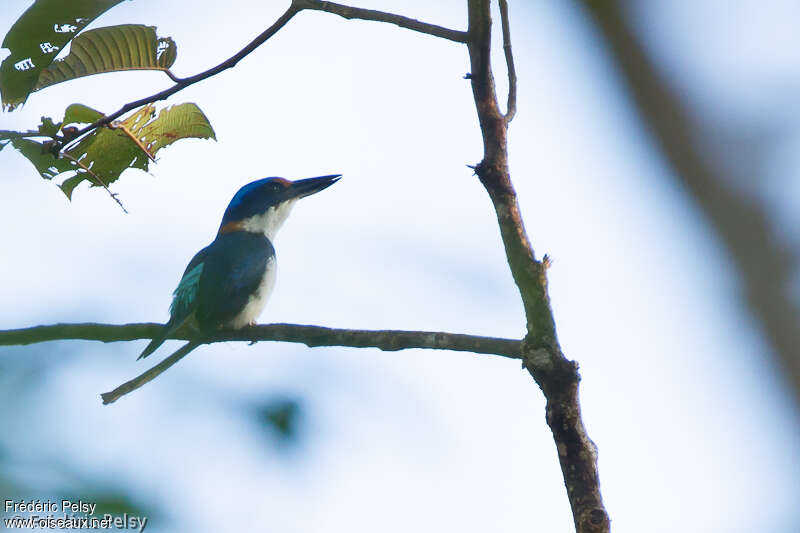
<point x="540" y="352"/>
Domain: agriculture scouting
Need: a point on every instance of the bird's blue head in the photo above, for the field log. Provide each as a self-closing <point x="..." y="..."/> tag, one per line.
<point x="263" y="205"/>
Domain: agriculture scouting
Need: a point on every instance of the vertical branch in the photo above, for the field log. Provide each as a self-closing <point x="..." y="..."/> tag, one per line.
<point x="528" y="273"/>
<point x="511" y="107"/>
<point x="556" y="375"/>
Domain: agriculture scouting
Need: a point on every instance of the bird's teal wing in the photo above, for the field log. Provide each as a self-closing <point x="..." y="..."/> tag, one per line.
<point x="184" y="301"/>
<point x="184" y="297"/>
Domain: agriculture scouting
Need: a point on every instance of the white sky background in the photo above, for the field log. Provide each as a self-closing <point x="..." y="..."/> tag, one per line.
<point x="678" y="391"/>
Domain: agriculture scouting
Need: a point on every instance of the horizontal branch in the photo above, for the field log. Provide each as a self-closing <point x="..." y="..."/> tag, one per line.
<point x="349" y="12"/>
<point x="313" y="336"/>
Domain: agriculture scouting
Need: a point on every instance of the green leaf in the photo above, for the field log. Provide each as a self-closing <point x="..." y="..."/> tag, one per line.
<point x="44" y="161"/>
<point x="81" y="114"/>
<point x="69" y="184"/>
<point x="47" y="128"/>
<point x="111" y="49"/>
<point x="108" y="152"/>
<point x="36" y="38"/>
<point x="104" y="154"/>
<point x="173" y="123"/>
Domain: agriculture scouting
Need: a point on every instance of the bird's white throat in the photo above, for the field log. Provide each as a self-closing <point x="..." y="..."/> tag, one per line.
<point x="270" y="221"/>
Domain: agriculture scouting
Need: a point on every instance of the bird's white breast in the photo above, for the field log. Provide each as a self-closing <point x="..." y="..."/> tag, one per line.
<point x="249" y="314"/>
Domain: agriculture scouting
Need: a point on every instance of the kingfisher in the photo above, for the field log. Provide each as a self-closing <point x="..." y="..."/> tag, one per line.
<point x="227" y="283"/>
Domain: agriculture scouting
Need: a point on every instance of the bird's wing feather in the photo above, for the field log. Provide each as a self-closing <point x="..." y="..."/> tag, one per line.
<point x="184" y="301"/>
<point x="233" y="270"/>
<point x="185" y="295"/>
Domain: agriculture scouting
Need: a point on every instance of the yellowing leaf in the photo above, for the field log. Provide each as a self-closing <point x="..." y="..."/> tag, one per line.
<point x="108" y="152"/>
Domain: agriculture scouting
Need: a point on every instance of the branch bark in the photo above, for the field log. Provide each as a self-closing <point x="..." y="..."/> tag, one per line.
<point x="556" y="375"/>
<point x="350" y="12"/>
<point x="296" y="6"/>
<point x="313" y="336"/>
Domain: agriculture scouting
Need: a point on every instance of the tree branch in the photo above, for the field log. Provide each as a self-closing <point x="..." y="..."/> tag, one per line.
<point x="541" y="354"/>
<point x="295" y="7"/>
<point x="553" y="372"/>
<point x="182" y="83"/>
<point x="349" y="12"/>
<point x="313" y="336"/>
<point x="511" y="107"/>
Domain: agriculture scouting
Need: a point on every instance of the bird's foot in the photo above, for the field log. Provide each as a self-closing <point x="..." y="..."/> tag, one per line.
<point x="252" y="324"/>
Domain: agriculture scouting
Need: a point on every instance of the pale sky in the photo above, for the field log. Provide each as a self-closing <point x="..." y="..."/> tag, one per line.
<point x="678" y="392"/>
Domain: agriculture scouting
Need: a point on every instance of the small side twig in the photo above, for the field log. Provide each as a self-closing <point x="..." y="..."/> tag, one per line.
<point x="350" y="12"/>
<point x="511" y="108"/>
<point x="96" y="177"/>
<point x="172" y="76"/>
<point x="9" y="134"/>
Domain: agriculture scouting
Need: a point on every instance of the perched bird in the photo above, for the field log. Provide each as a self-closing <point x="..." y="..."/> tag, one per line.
<point x="227" y="283"/>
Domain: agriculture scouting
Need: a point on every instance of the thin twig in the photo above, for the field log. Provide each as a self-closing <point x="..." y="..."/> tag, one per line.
<point x="182" y="83"/>
<point x="9" y="134"/>
<point x="99" y="180"/>
<point x="149" y="375"/>
<point x="350" y="12"/>
<point x="511" y="108"/>
<point x="172" y="76"/>
<point x="313" y="336"/>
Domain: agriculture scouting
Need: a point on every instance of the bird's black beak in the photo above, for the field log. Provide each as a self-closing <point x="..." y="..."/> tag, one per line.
<point x="308" y="186"/>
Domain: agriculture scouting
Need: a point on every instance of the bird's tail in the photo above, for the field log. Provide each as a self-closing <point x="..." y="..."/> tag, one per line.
<point x="149" y="375"/>
<point x="168" y="329"/>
